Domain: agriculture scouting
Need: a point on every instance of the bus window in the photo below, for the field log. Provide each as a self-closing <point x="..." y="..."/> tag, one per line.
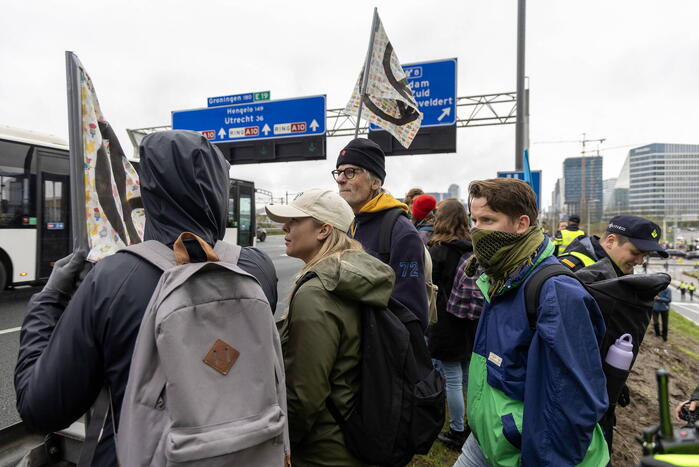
<point x="245" y="231"/>
<point x="17" y="180"/>
<point x="232" y="220"/>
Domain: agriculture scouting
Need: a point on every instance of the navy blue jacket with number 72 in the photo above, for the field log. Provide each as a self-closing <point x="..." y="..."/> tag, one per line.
<point x="406" y="251"/>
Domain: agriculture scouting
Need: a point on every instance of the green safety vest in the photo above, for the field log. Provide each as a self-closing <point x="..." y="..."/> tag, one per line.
<point x="692" y="287"/>
<point x="567" y="237"/>
<point x="682" y="460"/>
<point x="580" y="253"/>
<point x="586" y="260"/>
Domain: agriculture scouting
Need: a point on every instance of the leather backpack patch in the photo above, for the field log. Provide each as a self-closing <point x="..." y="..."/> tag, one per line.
<point x="221" y="357"/>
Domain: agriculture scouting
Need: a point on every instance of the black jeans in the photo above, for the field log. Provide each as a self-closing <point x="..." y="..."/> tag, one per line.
<point x="664" y="317"/>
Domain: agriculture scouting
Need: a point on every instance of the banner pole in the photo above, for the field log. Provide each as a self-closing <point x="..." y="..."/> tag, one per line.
<point x="365" y="74"/>
<point x="77" y="157"/>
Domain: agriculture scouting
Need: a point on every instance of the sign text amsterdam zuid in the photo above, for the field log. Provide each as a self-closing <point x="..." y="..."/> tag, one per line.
<point x="434" y="89"/>
<point x="304" y="116"/>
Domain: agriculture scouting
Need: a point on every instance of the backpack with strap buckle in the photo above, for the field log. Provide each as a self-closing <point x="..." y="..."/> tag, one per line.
<point x="206" y="385"/>
<point x="626" y="303"/>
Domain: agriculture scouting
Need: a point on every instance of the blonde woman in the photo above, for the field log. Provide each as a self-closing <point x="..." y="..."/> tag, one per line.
<point x="321" y="333"/>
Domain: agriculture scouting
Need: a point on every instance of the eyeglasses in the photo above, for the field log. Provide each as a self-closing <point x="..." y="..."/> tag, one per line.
<point x="349" y="172"/>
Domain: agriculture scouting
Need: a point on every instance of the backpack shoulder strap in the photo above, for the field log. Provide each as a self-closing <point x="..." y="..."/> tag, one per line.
<point x="532" y="289"/>
<point x="95" y="421"/>
<point x="305" y="278"/>
<point x="156" y="253"/>
<point x="386" y="231"/>
<point x="227" y="253"/>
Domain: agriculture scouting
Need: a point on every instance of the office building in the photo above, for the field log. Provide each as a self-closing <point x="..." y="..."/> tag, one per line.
<point x="608" y="186"/>
<point x="583" y="189"/>
<point x="664" y="181"/>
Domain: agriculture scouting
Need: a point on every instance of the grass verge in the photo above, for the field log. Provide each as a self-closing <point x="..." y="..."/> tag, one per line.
<point x="693" y="274"/>
<point x="680" y="324"/>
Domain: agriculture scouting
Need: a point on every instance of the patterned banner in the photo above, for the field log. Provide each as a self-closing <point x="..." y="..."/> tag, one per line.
<point x="113" y="209"/>
<point x="388" y="101"/>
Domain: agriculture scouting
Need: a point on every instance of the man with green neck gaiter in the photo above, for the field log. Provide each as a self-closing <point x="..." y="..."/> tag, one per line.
<point x="535" y="396"/>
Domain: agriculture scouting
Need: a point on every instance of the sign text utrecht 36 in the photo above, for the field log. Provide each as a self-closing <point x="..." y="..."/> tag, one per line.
<point x="284" y="118"/>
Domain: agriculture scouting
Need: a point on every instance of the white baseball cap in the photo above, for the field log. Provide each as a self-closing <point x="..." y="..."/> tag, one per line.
<point x="324" y="205"/>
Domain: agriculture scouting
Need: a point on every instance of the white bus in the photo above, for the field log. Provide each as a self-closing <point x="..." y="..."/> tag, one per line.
<point x="35" y="206"/>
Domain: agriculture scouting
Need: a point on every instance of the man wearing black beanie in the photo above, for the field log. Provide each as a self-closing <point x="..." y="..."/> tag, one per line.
<point x="360" y="172"/>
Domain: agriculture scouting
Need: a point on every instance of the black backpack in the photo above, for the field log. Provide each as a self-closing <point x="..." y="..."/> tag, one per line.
<point x="400" y="406"/>
<point x="384" y="254"/>
<point x="626" y="303"/>
<point x="386" y="232"/>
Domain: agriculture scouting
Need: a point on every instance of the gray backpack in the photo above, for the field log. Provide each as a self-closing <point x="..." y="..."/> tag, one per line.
<point x="206" y="385"/>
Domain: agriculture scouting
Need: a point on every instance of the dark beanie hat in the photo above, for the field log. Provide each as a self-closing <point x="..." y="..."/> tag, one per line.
<point x="422" y="205"/>
<point x="366" y="154"/>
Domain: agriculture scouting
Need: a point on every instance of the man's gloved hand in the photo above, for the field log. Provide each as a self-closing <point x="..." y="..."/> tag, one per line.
<point x="624" y="397"/>
<point x="69" y="272"/>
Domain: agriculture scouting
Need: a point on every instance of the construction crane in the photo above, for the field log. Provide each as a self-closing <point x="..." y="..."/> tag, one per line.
<point x="583" y="188"/>
<point x="583" y="169"/>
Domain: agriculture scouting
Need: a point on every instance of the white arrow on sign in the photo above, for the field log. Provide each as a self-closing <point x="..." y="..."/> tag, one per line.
<point x="221" y="133"/>
<point x="266" y="129"/>
<point x="314" y="125"/>
<point x="445" y="113"/>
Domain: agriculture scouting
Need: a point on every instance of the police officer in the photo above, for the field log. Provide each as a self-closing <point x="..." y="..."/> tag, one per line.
<point x="683" y="289"/>
<point x="692" y="287"/>
<point x="566" y="236"/>
<point x="627" y="242"/>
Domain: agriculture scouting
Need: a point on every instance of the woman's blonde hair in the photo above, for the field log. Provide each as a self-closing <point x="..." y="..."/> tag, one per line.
<point x="333" y="245"/>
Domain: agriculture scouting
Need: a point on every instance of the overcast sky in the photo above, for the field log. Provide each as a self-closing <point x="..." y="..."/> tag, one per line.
<point x="626" y="71"/>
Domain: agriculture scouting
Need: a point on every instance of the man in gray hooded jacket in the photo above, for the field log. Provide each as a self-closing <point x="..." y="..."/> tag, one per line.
<point x="73" y="342"/>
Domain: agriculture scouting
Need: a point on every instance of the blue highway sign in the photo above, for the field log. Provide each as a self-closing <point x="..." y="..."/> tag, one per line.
<point x="434" y="88"/>
<point x="536" y="182"/>
<point x="303" y="116"/>
<point x="238" y="98"/>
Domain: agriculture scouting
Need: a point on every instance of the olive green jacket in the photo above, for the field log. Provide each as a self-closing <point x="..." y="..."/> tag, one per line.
<point x="321" y="342"/>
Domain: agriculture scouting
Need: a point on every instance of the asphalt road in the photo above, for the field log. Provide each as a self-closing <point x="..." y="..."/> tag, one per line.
<point x="687" y="308"/>
<point x="286" y="268"/>
<point x="13" y="307"/>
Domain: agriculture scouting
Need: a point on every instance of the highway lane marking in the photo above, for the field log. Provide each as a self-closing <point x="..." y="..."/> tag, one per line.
<point x="10" y="330"/>
<point x="685" y="309"/>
